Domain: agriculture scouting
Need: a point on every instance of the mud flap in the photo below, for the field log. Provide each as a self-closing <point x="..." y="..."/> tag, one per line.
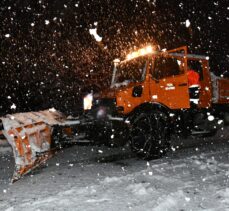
<point x="31" y="146"/>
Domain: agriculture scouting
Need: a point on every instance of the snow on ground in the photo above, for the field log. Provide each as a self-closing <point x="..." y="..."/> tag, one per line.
<point x="195" y="177"/>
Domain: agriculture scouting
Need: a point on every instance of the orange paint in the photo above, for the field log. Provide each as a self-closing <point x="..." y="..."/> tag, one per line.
<point x="171" y="91"/>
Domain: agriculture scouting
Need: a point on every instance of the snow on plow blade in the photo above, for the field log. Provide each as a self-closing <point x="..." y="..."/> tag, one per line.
<point x="29" y="135"/>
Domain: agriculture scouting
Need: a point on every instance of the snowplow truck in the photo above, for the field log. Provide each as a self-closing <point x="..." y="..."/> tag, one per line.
<point x="150" y="97"/>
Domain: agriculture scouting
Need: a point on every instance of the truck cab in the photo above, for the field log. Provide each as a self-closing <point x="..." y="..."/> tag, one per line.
<point x="157" y="77"/>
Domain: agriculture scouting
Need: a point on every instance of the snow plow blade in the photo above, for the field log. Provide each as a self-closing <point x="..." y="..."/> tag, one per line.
<point x="30" y="136"/>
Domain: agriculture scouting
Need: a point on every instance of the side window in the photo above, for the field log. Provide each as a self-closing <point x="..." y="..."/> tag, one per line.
<point x="166" y="67"/>
<point x="197" y="67"/>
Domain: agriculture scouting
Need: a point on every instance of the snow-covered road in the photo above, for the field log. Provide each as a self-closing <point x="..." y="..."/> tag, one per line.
<point x="195" y="177"/>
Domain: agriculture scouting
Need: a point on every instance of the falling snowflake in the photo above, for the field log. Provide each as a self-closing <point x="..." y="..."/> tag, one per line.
<point x="7" y="35"/>
<point x="93" y="32"/>
<point x="13" y="106"/>
<point x="187" y="23"/>
<point x="47" y="22"/>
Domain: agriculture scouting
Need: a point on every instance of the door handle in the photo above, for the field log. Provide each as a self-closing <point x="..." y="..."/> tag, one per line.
<point x="183" y="84"/>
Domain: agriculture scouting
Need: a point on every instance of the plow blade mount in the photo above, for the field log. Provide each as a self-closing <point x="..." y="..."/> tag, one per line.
<point x="30" y="136"/>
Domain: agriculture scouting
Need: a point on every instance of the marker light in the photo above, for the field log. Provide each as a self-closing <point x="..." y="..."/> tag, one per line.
<point x="149" y="49"/>
<point x="135" y="54"/>
<point x="116" y="61"/>
<point x="142" y="51"/>
<point x="129" y="57"/>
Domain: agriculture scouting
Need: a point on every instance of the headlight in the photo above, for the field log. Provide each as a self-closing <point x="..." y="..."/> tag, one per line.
<point x="87" y="101"/>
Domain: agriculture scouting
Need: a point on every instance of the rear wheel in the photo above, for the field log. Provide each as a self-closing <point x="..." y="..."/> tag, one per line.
<point x="149" y="134"/>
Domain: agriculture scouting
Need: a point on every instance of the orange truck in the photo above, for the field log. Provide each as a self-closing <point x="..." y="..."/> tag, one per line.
<point x="149" y="99"/>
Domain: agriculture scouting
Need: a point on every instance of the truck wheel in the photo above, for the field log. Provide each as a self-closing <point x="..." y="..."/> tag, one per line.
<point x="149" y="134"/>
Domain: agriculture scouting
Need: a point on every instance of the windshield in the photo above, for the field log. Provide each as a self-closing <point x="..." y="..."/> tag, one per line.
<point x="131" y="71"/>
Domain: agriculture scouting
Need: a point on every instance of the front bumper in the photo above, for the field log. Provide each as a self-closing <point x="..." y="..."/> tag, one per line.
<point x="105" y="109"/>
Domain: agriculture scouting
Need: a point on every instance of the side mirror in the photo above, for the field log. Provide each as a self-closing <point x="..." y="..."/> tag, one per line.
<point x="155" y="79"/>
<point x="137" y="91"/>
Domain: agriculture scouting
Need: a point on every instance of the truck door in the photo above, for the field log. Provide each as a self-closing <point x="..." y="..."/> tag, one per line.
<point x="169" y="84"/>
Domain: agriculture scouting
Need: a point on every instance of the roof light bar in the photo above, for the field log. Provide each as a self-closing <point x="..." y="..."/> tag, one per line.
<point x="141" y="52"/>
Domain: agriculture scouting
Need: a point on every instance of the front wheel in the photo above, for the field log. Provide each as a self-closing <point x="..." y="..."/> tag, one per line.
<point x="149" y="134"/>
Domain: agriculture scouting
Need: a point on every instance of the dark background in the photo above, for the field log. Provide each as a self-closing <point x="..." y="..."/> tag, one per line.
<point x="54" y="65"/>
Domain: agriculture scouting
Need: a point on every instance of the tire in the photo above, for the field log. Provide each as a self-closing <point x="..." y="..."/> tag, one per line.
<point x="149" y="134"/>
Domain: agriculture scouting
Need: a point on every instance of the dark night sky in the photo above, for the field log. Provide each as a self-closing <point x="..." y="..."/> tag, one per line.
<point x="44" y="65"/>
